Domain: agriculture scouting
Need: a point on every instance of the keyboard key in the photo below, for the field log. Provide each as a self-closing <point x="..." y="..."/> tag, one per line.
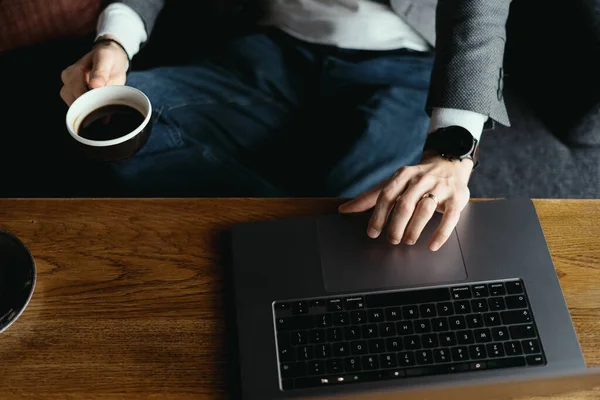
<point x="323" y="351"/>
<point x="475" y="321"/>
<point x="408" y="297"/>
<point x="477" y="366"/>
<point x="406" y="359"/>
<point x="393" y="344"/>
<point x="315" y="367"/>
<point x="412" y="342"/>
<point x="334" y="366"/>
<point x="387" y="329"/>
<point x="354" y="303"/>
<point x="441" y="355"/>
<point x="286" y="354"/>
<point x="300" y="307"/>
<point x="283" y="306"/>
<point x="405" y="328"/>
<point x="447" y="339"/>
<point x="515" y="317"/>
<point x="513" y="302"/>
<point x="522" y="332"/>
<point x="440" y="324"/>
<point x="376" y="346"/>
<point x="535" y="360"/>
<point x="304" y="353"/>
<point x="480" y="291"/>
<point x="410" y="312"/>
<point x="317" y="336"/>
<point x="294" y="323"/>
<point x="445" y="309"/>
<point x="497" y="289"/>
<point x="393" y="374"/>
<point x="393" y="314"/>
<point x="427" y="310"/>
<point x="376" y="316"/>
<point x="422" y="326"/>
<point x="495" y="350"/>
<point x="293" y="370"/>
<point x="335" y="335"/>
<point x="479" y="305"/>
<point x="300" y="337"/>
<point x="317" y="303"/>
<point x="500" y="334"/>
<point x="477" y="352"/>
<point x="352" y="333"/>
<point x="352" y="364"/>
<point x="482" y="335"/>
<point x="430" y="340"/>
<point x="461" y="293"/>
<point x="457" y="322"/>
<point x="531" y="346"/>
<point x="359" y="347"/>
<point x="358" y="317"/>
<point x="388" y="361"/>
<point x="424" y="357"/>
<point x="323" y="321"/>
<point x="335" y="305"/>
<point x="460" y="353"/>
<point x="506" y="363"/>
<point x="370" y="331"/>
<point x="492" y="319"/>
<point x="462" y="307"/>
<point x="370" y="362"/>
<point x="340" y="349"/>
<point x="341" y="318"/>
<point x="465" y="337"/>
<point x="515" y="287"/>
<point x="513" y="348"/>
<point x="496" y="303"/>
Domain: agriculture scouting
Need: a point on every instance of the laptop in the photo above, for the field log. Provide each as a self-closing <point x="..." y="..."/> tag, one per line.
<point x="323" y="311"/>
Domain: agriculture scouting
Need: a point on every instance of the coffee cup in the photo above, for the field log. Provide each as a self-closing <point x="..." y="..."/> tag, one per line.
<point x="110" y="123"/>
<point x="17" y="279"/>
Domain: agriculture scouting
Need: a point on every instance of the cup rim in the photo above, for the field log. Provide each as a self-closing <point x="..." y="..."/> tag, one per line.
<point x="30" y="296"/>
<point x="119" y="140"/>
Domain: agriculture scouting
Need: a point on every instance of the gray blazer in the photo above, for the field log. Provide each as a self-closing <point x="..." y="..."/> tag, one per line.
<point x="469" y="38"/>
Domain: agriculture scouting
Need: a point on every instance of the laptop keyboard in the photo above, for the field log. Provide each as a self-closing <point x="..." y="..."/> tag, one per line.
<point x="395" y="335"/>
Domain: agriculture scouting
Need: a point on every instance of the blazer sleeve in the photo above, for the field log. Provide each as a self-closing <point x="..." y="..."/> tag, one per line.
<point x="147" y="9"/>
<point x="468" y="68"/>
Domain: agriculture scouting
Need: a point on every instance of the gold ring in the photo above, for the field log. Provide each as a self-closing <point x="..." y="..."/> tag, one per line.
<point x="432" y="197"/>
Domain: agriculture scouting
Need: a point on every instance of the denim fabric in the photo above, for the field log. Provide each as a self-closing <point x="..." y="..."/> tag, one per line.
<point x="272" y="116"/>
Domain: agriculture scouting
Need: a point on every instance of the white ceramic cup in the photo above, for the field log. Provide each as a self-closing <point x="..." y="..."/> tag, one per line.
<point x="121" y="147"/>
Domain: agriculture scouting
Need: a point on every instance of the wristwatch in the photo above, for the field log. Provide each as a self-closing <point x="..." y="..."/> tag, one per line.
<point x="453" y="143"/>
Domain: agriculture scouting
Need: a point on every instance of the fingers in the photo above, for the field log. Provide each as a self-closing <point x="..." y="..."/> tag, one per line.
<point x="443" y="232"/>
<point x="101" y="70"/>
<point x="406" y="208"/>
<point x="364" y="201"/>
<point x="73" y="79"/>
<point x="386" y="201"/>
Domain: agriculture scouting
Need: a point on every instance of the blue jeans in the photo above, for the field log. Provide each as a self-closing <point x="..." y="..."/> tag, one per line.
<point x="269" y="115"/>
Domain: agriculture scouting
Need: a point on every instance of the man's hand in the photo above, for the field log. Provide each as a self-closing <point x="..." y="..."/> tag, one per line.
<point x="399" y="200"/>
<point x="106" y="64"/>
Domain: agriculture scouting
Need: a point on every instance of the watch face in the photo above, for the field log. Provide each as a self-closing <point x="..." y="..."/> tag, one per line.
<point x="458" y="142"/>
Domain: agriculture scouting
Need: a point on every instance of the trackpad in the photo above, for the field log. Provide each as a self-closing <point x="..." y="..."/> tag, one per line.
<point x="351" y="261"/>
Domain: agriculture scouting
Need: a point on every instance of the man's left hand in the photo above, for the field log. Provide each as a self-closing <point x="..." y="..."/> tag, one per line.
<point x="400" y="202"/>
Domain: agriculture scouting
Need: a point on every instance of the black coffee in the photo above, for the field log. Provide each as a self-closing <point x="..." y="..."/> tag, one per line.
<point x="110" y="122"/>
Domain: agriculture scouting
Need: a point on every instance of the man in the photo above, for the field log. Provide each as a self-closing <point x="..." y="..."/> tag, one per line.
<point x="326" y="97"/>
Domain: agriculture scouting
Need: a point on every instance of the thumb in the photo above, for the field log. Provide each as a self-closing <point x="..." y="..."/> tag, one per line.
<point x="101" y="68"/>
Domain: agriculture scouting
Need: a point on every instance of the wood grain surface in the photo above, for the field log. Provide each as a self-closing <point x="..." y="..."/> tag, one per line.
<point x="130" y="301"/>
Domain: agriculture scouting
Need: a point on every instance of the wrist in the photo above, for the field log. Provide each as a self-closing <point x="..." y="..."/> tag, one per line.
<point x="461" y="168"/>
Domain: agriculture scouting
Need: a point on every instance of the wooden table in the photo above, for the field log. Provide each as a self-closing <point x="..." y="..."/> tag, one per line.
<point x="130" y="295"/>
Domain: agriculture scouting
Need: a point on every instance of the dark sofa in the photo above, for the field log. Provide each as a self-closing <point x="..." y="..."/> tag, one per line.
<point x="551" y="150"/>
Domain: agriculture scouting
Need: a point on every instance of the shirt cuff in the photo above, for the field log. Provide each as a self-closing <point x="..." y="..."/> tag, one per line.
<point x="470" y="120"/>
<point x="125" y="24"/>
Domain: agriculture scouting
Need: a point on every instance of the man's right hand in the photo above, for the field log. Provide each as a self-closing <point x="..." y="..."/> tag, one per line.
<point x="105" y="65"/>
